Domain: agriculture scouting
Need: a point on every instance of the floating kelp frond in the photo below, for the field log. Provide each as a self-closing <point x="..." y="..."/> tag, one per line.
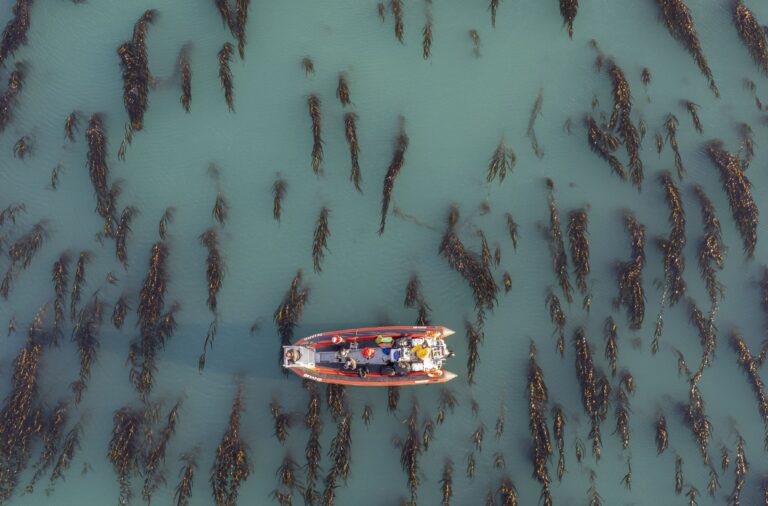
<point x="23" y="147"/>
<point x="557" y="246"/>
<point x="691" y="108"/>
<point x="679" y="22"/>
<point x="283" y="421"/>
<point x="752" y="34"/>
<point x="426" y="36"/>
<point x="183" y="492"/>
<point x="312" y="451"/>
<point x="185" y="70"/>
<point x="568" y="9"/>
<point x="232" y="466"/>
<point x="220" y="210"/>
<point x="136" y="77"/>
<point x="398" y="159"/>
<point x="626" y="387"/>
<point x="672" y="249"/>
<point x="167" y="218"/>
<point x="474" y="340"/>
<point x="603" y="143"/>
<point x="393" y="398"/>
<point x="537" y="423"/>
<point x="485" y="250"/>
<point x="577" y="235"/>
<point x="77" y="284"/>
<point x="446" y="482"/>
<point x="508" y="493"/>
<point x="447" y="401"/>
<point x="412" y="291"/>
<point x="503" y="159"/>
<point x="738" y="188"/>
<point x="674" y="261"/>
<point x="645" y="76"/>
<point x="475" y="38"/>
<point x="670" y="124"/>
<point x="155" y="328"/>
<point x="558" y="318"/>
<point x="308" y="66"/>
<point x="286" y="474"/>
<point x="223" y="7"/>
<point x="397" y="13"/>
<point x="531" y="132"/>
<point x="151" y="297"/>
<point x="21" y="253"/>
<point x="494" y="7"/>
<point x="558" y="428"/>
<point x="225" y="74"/>
<point x="155" y="457"/>
<point x="340" y="455"/>
<point x="320" y="241"/>
<point x="21" y="415"/>
<point x="512" y="229"/>
<point x="662" y="436"/>
<point x="15" y="32"/>
<point x="99" y="171"/>
<point x="741" y="469"/>
<point x="350" y="132"/>
<point x="610" y="331"/>
<point x="313" y="103"/>
<point x="72" y="125"/>
<point x="60" y="278"/>
<point x="747" y="144"/>
<point x="751" y="365"/>
<point x="86" y="336"/>
<point x="342" y="91"/>
<point x="123" y="227"/>
<point x="631" y="293"/>
<point x="588" y="379"/>
<point x="621" y="119"/>
<point x="288" y="313"/>
<point x="214" y="269"/>
<point x="68" y="449"/>
<point x="465" y="262"/>
<point x="10" y="213"/>
<point x="120" y="311"/>
<point x="9" y="96"/>
<point x="125" y="449"/>
<point x="278" y="192"/>
<point x="410" y="451"/>
<point x="238" y="23"/>
<point x="698" y="421"/>
<point x="506" y="280"/>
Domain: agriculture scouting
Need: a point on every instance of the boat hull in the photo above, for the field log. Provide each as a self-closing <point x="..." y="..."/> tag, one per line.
<point x="318" y="362"/>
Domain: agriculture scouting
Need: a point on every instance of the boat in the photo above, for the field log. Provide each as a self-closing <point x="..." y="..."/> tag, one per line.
<point x="373" y="356"/>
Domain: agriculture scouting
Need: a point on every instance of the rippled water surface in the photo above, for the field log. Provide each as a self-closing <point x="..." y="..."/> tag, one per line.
<point x="456" y="106"/>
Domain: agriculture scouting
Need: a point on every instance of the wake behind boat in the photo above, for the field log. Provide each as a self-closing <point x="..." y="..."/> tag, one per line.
<point x="373" y="356"/>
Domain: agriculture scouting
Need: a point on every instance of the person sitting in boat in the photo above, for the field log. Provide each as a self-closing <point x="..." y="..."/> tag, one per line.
<point x="421" y="351"/>
<point x="292" y="356"/>
<point x="350" y="364"/>
<point x="384" y="341"/>
<point x="362" y="371"/>
<point x="342" y="354"/>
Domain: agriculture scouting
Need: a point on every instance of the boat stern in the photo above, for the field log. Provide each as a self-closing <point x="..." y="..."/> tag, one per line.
<point x="298" y="357"/>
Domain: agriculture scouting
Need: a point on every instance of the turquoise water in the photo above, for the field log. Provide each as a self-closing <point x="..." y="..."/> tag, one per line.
<point x="456" y="107"/>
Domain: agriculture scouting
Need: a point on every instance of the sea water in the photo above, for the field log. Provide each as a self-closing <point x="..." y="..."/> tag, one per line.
<point x="457" y="106"/>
